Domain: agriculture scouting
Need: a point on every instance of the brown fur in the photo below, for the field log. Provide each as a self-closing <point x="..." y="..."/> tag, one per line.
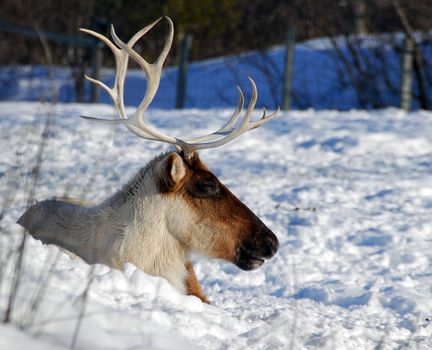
<point x="222" y="209"/>
<point x="192" y="285"/>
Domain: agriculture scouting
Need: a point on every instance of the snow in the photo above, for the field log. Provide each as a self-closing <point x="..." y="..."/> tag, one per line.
<point x="349" y="195"/>
<point x="320" y="77"/>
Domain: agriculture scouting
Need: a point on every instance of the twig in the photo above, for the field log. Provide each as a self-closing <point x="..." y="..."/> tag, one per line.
<point x="283" y="207"/>
<point x="84" y="298"/>
<point x="13" y="292"/>
<point x="42" y="283"/>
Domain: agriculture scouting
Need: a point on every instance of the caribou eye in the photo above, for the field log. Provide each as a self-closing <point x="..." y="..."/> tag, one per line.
<point x="207" y="188"/>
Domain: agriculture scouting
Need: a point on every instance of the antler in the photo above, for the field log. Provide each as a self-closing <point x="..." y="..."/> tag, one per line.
<point x="153" y="71"/>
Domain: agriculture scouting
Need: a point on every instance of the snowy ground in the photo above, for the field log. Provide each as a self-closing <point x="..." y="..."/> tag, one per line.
<point x="349" y="195"/>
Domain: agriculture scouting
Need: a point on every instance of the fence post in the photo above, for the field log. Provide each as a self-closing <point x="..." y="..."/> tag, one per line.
<point x="182" y="71"/>
<point x="288" y="68"/>
<point x="360" y="16"/>
<point x="407" y="73"/>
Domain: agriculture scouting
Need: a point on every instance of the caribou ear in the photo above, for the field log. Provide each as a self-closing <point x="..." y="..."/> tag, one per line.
<point x="177" y="167"/>
<point x="172" y="172"/>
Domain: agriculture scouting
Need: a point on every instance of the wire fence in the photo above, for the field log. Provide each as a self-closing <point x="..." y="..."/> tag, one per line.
<point x="331" y="73"/>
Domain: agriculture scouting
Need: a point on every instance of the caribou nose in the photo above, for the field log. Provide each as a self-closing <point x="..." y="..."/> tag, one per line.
<point x="254" y="252"/>
<point x="270" y="244"/>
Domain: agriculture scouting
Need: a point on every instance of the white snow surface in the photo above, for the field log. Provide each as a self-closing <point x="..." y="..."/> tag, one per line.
<point x="349" y="195"/>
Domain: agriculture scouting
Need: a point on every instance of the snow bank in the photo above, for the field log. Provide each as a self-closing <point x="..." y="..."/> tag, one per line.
<point x="349" y="195"/>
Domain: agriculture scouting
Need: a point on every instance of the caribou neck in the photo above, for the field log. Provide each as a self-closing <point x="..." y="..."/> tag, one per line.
<point x="140" y="210"/>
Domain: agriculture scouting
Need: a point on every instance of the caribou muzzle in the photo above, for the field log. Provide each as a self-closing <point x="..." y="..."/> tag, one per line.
<point x="252" y="253"/>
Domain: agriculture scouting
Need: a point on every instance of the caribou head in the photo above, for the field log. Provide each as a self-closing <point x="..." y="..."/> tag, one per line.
<point x="174" y="206"/>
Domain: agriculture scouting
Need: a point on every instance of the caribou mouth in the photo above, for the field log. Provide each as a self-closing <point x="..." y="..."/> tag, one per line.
<point x="247" y="260"/>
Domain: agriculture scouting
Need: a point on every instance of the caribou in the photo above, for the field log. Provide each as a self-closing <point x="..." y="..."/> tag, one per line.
<point x="173" y="207"/>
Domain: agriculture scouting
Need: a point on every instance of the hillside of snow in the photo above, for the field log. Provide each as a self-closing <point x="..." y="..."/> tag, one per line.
<point x="349" y="195"/>
<point x="339" y="73"/>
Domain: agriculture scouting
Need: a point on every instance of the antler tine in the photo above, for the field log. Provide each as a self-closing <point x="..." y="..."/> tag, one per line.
<point x="102" y="38"/>
<point x="234" y="132"/>
<point x="121" y="61"/>
<point x="138" y="35"/>
<point x="227" y="127"/>
<point x="114" y="50"/>
<point x="265" y="118"/>
<point x="236" y="113"/>
<point x="168" y="42"/>
<point x="153" y="71"/>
